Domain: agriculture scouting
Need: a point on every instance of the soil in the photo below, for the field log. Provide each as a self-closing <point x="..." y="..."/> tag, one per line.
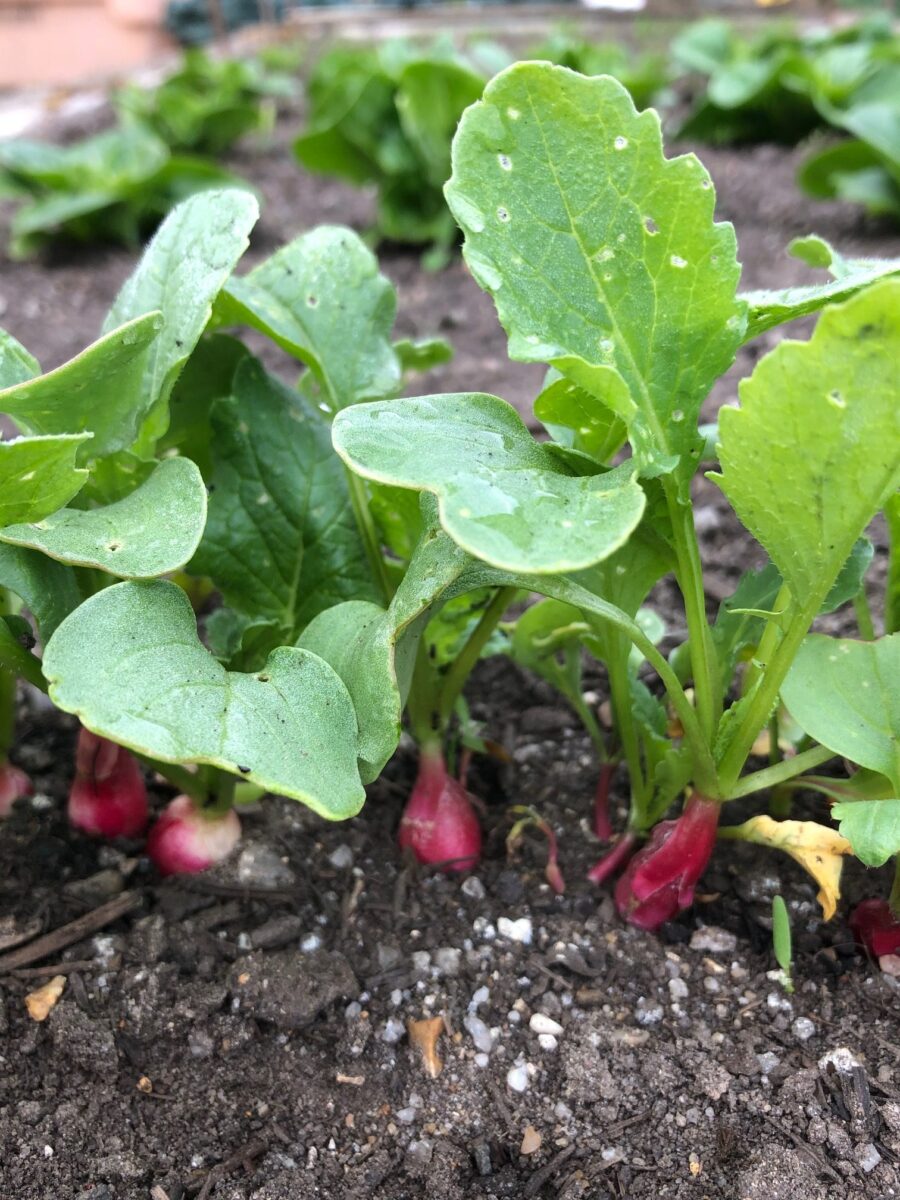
<point x="243" y="1034"/>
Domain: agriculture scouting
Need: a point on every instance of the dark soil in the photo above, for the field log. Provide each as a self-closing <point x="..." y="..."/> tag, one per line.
<point x="242" y="1035"/>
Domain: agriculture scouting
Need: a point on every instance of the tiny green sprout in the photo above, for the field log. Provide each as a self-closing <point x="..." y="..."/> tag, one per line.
<point x="781" y="940"/>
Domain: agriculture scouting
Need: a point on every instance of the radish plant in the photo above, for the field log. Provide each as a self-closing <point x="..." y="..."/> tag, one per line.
<point x="606" y="264"/>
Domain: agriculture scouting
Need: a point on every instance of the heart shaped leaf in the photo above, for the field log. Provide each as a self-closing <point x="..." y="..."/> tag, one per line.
<point x="153" y="531"/>
<point x="129" y="664"/>
<point x="503" y="497"/>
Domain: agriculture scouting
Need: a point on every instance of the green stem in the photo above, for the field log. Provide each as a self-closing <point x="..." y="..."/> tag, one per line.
<point x="359" y="501"/>
<point x="865" y="622"/>
<point x="689" y="573"/>
<point x="19" y="662"/>
<point x="420" y="703"/>
<point x="464" y="663"/>
<point x="620" y="695"/>
<point x="759" y="703"/>
<point x="221" y="798"/>
<point x="788" y="768"/>
<point x="193" y="785"/>
<point x="560" y="588"/>
<point x="595" y="733"/>
<point x="769" y="640"/>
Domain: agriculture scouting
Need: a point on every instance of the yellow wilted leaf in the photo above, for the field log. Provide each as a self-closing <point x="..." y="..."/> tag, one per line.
<point x="424" y="1035"/>
<point x="817" y="848"/>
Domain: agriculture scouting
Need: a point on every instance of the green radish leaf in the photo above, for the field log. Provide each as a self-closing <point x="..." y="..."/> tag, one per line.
<point x="48" y="589"/>
<point x="892" y="589"/>
<point x="814" y="450"/>
<point x="373" y="649"/>
<point x="181" y="273"/>
<point x="849" y="582"/>
<point x="872" y="827"/>
<point x="771" y="308"/>
<point x="578" y="420"/>
<point x="323" y="300"/>
<point x="422" y="355"/>
<point x="781" y="934"/>
<point x="602" y="255"/>
<point x="97" y="391"/>
<point x="503" y="497"/>
<point x="151" y="532"/>
<point x="38" y="475"/>
<point x="208" y="375"/>
<point x="129" y="664"/>
<point x="547" y="639"/>
<point x="846" y="695"/>
<point x="281" y="542"/>
<point x="16" y="364"/>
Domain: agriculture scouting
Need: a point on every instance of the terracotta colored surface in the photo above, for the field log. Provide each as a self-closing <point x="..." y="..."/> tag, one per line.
<point x="65" y="43"/>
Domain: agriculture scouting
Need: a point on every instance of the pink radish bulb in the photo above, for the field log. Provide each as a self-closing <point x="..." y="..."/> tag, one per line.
<point x="439" y="823"/>
<point x="660" y="879"/>
<point x="108" y="797"/>
<point x="14" y="784"/>
<point x="184" y="840"/>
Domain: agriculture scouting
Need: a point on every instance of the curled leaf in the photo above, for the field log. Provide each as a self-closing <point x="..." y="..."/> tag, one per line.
<point x="818" y="849"/>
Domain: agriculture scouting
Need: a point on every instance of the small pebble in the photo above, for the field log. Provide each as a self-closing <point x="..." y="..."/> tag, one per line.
<point x="310" y="942"/>
<point x="867" y="1157"/>
<point x="843" y="1060"/>
<point x="678" y="989"/>
<point x="540" y="1023"/>
<point x="767" y="1061"/>
<point x="406" y="1116"/>
<point x="479" y="1032"/>
<point x="473" y="888"/>
<point x="447" y="960"/>
<point x="481" y="1060"/>
<point x="517" y="1078"/>
<point x="648" y="1012"/>
<point x="547" y="1042"/>
<point x="393" y="1031"/>
<point x="516" y="931"/>
<point x="803" y="1029"/>
<point x="480" y="996"/>
<point x="341" y="858"/>
<point x="713" y="940"/>
<point x="531" y="1141"/>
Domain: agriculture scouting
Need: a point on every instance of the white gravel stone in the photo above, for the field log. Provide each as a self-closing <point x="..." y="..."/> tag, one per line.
<point x="480" y="996"/>
<point x="678" y="989"/>
<point x="842" y="1059"/>
<point x="867" y="1157"/>
<point x="803" y="1029"/>
<point x="516" y="931"/>
<point x="479" y="1033"/>
<point x="767" y="1061"/>
<point x="342" y="857"/>
<point x="648" y="1012"/>
<point x="393" y="1031"/>
<point x="481" y="1060"/>
<point x="517" y="1079"/>
<point x="447" y="960"/>
<point x="547" y="1042"/>
<point x="540" y="1023"/>
<point x="713" y="940"/>
<point x="473" y="888"/>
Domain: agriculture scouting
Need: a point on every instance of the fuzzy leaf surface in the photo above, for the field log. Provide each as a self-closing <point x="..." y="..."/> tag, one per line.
<point x="48" y="589"/>
<point x="281" y="542"/>
<point x="38" y="475"/>
<point x="98" y="391"/>
<point x="602" y="255"/>
<point x="182" y="271"/>
<point x="324" y="301"/>
<point x="503" y="497"/>
<point x="846" y="695"/>
<point x="151" y="532"/>
<point x="814" y="450"/>
<point x="872" y="827"/>
<point x="129" y="664"/>
<point x="16" y="364"/>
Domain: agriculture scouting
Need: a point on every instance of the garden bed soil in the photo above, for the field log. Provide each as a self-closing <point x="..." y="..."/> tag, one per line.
<point x="243" y="1035"/>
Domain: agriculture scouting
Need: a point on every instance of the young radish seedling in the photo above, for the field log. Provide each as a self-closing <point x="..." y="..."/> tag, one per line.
<point x="606" y="264"/>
